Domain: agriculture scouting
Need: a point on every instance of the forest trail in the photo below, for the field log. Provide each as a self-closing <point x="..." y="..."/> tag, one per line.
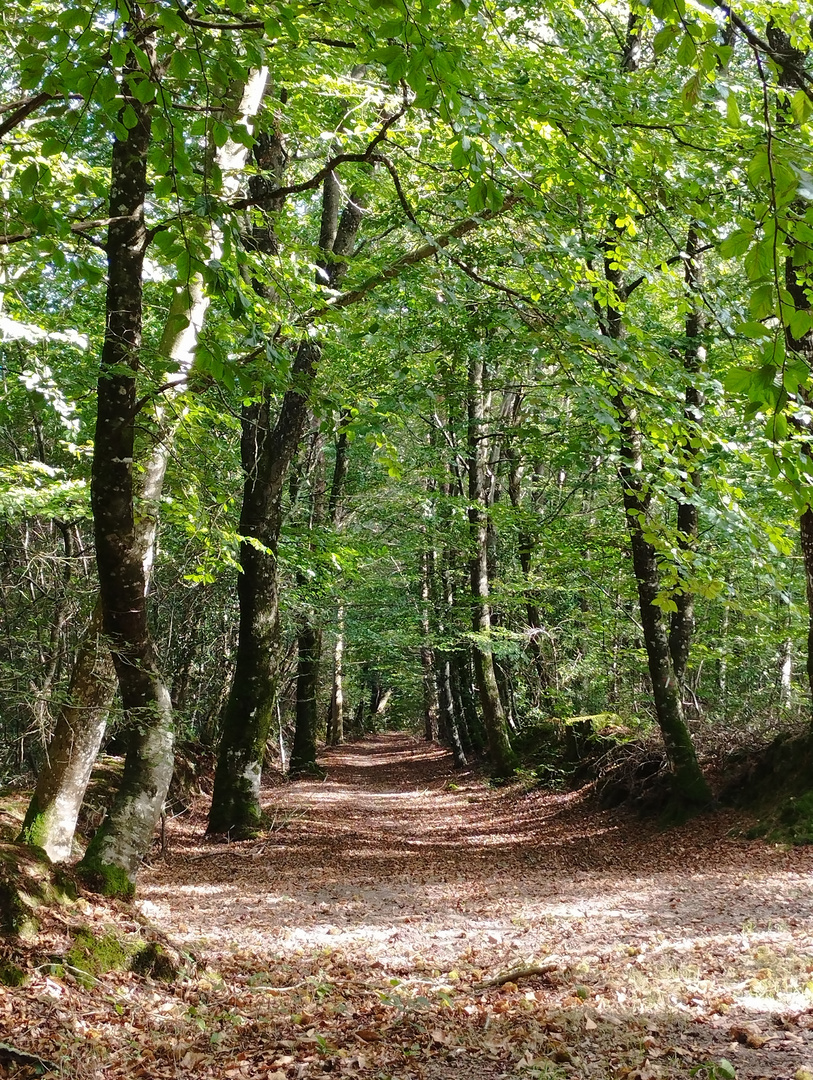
<point x="352" y="939"/>
<point x="671" y="948"/>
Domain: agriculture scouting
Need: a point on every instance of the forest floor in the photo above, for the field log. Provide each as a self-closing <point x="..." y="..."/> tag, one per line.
<point x="354" y="937"/>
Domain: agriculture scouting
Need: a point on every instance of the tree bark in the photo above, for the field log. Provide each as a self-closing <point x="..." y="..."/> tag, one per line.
<point x="683" y="620"/>
<point x="267" y="456"/>
<point x="503" y="759"/>
<point x="334" y="510"/>
<point x="309" y="639"/>
<point x="114" y="855"/>
<point x="50" y="821"/>
<point x="335" y="735"/>
<point x="796" y="284"/>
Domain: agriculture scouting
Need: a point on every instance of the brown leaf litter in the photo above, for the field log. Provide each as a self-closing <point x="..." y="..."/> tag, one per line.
<point x="401" y="919"/>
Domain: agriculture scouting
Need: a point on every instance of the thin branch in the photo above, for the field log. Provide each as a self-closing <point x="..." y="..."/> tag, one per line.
<point x="77" y="227"/>
<point x="625" y="292"/>
<point x="367" y="155"/>
<point x="802" y="78"/>
<point x="204" y="24"/>
<point x="412" y="258"/>
<point x="22" y="111"/>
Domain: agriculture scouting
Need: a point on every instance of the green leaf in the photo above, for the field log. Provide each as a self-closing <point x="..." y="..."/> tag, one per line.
<point x="739" y="380"/>
<point x="776" y="427"/>
<point x="732" y="110"/>
<point x="801" y="106"/>
<point x="761" y="304"/>
<point x="143" y="90"/>
<point x="735" y="244"/>
<point x="687" y="51"/>
<point x="801" y="323"/>
<point x="220" y="133"/>
<point x="29" y="178"/>
<point x="759" y="168"/>
<point x="753" y="330"/>
<point x="129" y="117"/>
<point x="664" y="38"/>
<point x="796" y="374"/>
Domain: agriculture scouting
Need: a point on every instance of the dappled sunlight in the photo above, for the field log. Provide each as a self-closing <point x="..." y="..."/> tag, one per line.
<point x="399" y="868"/>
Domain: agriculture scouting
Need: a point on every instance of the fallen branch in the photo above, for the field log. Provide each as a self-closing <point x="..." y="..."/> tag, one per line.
<point x="515" y="974"/>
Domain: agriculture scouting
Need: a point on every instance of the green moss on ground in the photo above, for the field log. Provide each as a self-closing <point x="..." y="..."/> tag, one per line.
<point x="776" y="785"/>
<point x="107" y="879"/>
<point x="93" y="956"/>
<point x="11" y="974"/>
<point x="155" y="961"/>
<point x="28" y="882"/>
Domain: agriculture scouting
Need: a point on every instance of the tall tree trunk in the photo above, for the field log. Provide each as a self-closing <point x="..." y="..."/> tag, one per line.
<point x="267" y="455"/>
<point x="503" y="759"/>
<point x="334" y="510"/>
<point x="430" y="694"/>
<point x="114" y="855"/>
<point x="796" y="284"/>
<point x="50" y="820"/>
<point x="336" y="718"/>
<point x="82" y="721"/>
<point x="526" y="545"/>
<point x="688" y="783"/>
<point x="683" y="620"/>
<point x="309" y="639"/>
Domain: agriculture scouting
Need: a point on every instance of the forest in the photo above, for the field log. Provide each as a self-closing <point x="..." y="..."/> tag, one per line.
<point x="406" y="517"/>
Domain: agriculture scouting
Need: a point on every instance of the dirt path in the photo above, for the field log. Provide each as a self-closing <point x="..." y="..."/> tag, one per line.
<point x="351" y="939"/>
<point x="672" y="948"/>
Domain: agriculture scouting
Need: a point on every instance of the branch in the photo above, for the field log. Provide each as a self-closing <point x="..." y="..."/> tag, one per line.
<point x="489" y="283"/>
<point x="412" y="258"/>
<point x="340" y="159"/>
<point x="516" y="973"/>
<point x="77" y="227"/>
<point x="22" y="111"/>
<point x="625" y="292"/>
<point x="204" y="24"/>
<point x="802" y="78"/>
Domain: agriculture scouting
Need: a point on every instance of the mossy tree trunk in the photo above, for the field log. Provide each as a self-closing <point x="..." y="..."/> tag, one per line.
<point x="796" y="273"/>
<point x="267" y="454"/>
<point x="113" y="858"/>
<point x="335" y="734"/>
<point x="683" y="619"/>
<point x="50" y="820"/>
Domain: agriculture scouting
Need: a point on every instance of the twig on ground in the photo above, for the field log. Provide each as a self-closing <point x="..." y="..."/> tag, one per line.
<point x="515" y="974"/>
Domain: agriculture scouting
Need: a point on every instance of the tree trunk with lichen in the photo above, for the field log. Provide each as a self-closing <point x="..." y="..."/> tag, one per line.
<point x="115" y="853"/>
<point x="267" y="455"/>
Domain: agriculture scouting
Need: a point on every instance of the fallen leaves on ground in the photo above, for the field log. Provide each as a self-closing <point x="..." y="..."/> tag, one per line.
<point x="393" y="924"/>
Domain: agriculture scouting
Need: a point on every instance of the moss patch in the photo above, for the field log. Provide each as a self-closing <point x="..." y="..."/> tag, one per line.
<point x="101" y="877"/>
<point x="93" y="956"/>
<point x="28" y="882"/>
<point x="11" y="975"/>
<point x="156" y="962"/>
<point x="775" y="784"/>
